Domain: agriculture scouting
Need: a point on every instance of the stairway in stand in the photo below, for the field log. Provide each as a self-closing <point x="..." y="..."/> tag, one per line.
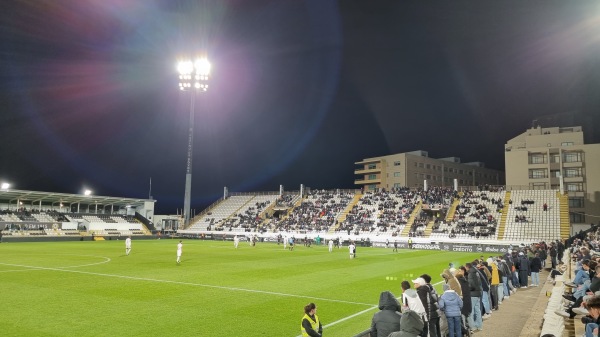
<point x="342" y="217"/>
<point x="565" y="227"/>
<point x="411" y="220"/>
<point x="429" y="228"/>
<point x="502" y="225"/>
<point x="452" y="209"/>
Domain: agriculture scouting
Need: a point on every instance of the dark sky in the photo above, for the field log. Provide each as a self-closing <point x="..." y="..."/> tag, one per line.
<point x="300" y="90"/>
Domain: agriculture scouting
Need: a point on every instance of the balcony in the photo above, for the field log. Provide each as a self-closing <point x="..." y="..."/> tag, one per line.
<point x="367" y="181"/>
<point x="367" y="171"/>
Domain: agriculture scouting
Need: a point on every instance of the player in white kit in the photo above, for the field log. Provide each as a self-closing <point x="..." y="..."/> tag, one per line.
<point x="236" y="241"/>
<point x="330" y="243"/>
<point x="128" y="245"/>
<point x="179" y="251"/>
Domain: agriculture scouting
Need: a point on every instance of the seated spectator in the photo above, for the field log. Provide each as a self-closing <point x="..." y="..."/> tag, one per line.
<point x="582" y="275"/>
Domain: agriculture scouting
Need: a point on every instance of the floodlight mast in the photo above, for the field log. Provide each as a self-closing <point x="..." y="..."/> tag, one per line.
<point x="193" y="77"/>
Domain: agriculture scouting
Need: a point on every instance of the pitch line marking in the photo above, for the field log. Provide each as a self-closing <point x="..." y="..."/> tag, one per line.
<point x="186" y="283"/>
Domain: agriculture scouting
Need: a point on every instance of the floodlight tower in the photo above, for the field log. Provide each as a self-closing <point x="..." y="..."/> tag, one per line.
<point x="193" y="77"/>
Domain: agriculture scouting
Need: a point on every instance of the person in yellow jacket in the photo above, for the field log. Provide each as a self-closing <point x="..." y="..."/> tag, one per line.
<point x="311" y="326"/>
<point x="496" y="291"/>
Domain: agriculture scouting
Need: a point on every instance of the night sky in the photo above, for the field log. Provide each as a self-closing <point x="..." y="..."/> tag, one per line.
<point x="300" y="89"/>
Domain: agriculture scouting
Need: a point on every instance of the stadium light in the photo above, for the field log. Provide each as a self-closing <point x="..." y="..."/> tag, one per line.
<point x="87" y="192"/>
<point x="193" y="77"/>
<point x="4" y="186"/>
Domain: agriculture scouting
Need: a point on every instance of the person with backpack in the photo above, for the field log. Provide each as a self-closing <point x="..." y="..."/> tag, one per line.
<point x="429" y="299"/>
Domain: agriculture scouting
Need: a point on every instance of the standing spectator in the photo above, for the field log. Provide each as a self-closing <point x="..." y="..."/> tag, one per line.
<point x="475" y="320"/>
<point x="466" y="292"/>
<point x="523" y="268"/>
<point x="485" y="288"/>
<point x="387" y="320"/>
<point x="411" y="301"/>
<point x="553" y="255"/>
<point x="504" y="269"/>
<point x="451" y="304"/>
<point x="451" y="282"/>
<point x="311" y="326"/>
<point x="496" y="290"/>
<point x="430" y="305"/>
<point x="545" y="207"/>
<point x="535" y="266"/>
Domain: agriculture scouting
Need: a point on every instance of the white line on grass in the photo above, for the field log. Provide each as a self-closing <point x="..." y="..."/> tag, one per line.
<point x="357" y="314"/>
<point x="186" y="283"/>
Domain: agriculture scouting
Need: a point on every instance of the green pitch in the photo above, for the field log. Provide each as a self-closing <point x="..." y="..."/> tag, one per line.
<point x="94" y="289"/>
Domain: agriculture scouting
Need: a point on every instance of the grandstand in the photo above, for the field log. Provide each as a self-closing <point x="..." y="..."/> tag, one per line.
<point x="30" y="215"/>
<point x="491" y="215"/>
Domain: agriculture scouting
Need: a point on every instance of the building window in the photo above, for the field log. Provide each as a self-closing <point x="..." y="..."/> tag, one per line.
<point x="538" y="173"/>
<point x="372" y="176"/>
<point x="371" y="187"/>
<point x="554" y="158"/>
<point x="573" y="172"/>
<point x="421" y="165"/>
<point x="538" y="186"/>
<point x="573" y="157"/>
<point x="574" y="187"/>
<point x="576" y="217"/>
<point x="372" y="166"/>
<point x="537" y="158"/>
<point x="461" y="171"/>
<point x="566" y="144"/>
<point x="396" y="174"/>
<point x="445" y="169"/>
<point x="396" y="163"/>
<point x="554" y="173"/>
<point x="428" y="166"/>
<point x="576" y="202"/>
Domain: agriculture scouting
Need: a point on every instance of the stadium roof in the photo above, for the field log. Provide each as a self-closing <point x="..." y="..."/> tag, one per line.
<point x="34" y="198"/>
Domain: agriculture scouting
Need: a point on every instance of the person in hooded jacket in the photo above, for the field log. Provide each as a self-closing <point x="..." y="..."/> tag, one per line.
<point x="411" y="325"/>
<point x="466" y="293"/>
<point x="387" y="320"/>
<point x="451" y="304"/>
<point x="451" y="282"/>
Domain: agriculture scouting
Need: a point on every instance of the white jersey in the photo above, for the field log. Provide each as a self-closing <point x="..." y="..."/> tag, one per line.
<point x="179" y="249"/>
<point x="330" y="243"/>
<point x="128" y="243"/>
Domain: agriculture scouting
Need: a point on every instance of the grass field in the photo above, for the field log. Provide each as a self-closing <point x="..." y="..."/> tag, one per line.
<point x="94" y="289"/>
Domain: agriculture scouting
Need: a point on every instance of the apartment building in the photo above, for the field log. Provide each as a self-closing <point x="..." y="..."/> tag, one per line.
<point x="412" y="169"/>
<point x="555" y="158"/>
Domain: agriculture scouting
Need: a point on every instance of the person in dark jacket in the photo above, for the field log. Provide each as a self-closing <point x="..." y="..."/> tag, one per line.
<point x="411" y="325"/>
<point x="466" y="291"/>
<point x="430" y="305"/>
<point x="522" y="266"/>
<point x="387" y="320"/>
<point x="475" y="320"/>
<point x="451" y="304"/>
<point x="535" y="266"/>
